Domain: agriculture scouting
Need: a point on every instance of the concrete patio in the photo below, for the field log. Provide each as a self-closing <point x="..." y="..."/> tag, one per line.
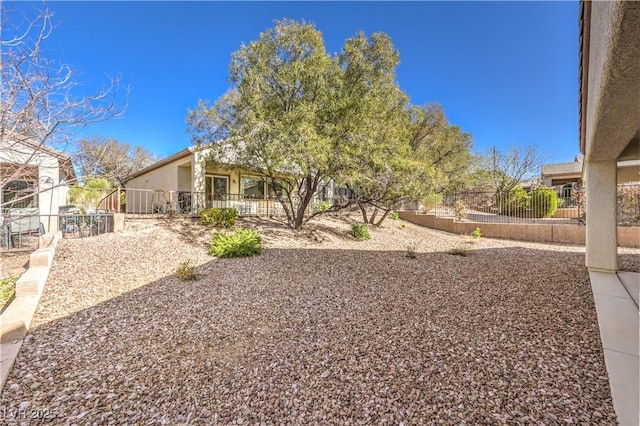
<point x="616" y="299"/>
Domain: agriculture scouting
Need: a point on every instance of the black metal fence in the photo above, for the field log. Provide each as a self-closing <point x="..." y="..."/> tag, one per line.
<point x="497" y="207"/>
<point x="21" y="230"/>
<point x="527" y="207"/>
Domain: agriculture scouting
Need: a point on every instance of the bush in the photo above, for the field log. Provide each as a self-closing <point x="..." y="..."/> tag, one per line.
<point x="431" y="202"/>
<point x="460" y="208"/>
<point x="411" y="251"/>
<point x="220" y="217"/>
<point x="477" y="233"/>
<point x="629" y="204"/>
<point x="544" y="202"/>
<point x="514" y="202"/>
<point x="395" y="215"/>
<point x="242" y="243"/>
<point x="458" y="251"/>
<point x="7" y="290"/>
<point x="187" y="271"/>
<point x="320" y="206"/>
<point x="360" y="231"/>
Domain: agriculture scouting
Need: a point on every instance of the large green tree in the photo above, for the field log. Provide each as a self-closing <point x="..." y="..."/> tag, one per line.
<point x="440" y="144"/>
<point x="301" y="117"/>
<point x="428" y="154"/>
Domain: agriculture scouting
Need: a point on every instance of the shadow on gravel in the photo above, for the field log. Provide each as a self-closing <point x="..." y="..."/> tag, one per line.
<point x="330" y="336"/>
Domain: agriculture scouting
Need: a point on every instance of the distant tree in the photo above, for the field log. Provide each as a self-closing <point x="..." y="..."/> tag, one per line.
<point x="110" y="159"/>
<point x="87" y="197"/>
<point x="40" y="102"/>
<point x="300" y="117"/>
<point x="504" y="171"/>
<point x="442" y="145"/>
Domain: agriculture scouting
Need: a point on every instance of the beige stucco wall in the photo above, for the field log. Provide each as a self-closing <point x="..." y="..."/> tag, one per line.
<point x="184" y="177"/>
<point x="628" y="174"/>
<point x="567" y="213"/>
<point x="51" y="192"/>
<point x="233" y="175"/>
<point x="163" y="178"/>
<point x="568" y="234"/>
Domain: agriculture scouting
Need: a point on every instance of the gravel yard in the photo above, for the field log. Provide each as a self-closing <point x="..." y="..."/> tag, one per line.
<point x="318" y="329"/>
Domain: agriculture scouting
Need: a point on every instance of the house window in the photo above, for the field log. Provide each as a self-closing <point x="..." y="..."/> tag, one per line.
<point x="252" y="187"/>
<point x="284" y="186"/>
<point x="217" y="187"/>
<point x="20" y="194"/>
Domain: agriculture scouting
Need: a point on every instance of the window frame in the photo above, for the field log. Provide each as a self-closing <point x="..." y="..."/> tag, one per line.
<point x="24" y="202"/>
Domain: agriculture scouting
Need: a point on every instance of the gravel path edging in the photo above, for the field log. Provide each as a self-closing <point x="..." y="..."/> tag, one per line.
<point x="16" y="319"/>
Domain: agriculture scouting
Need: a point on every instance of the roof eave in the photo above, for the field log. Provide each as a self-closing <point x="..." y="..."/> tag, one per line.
<point x="585" y="38"/>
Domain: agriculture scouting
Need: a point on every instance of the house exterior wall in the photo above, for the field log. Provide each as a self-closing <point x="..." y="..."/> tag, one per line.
<point x="233" y="175"/>
<point x="155" y="190"/>
<point x="612" y="109"/>
<point x="51" y="192"/>
<point x="611" y="124"/>
<point x="164" y="178"/>
<point x="184" y="177"/>
<point x="628" y="174"/>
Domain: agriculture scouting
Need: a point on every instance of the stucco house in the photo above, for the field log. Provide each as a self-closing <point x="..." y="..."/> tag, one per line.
<point x="34" y="185"/>
<point x="560" y="174"/>
<point x="188" y="181"/>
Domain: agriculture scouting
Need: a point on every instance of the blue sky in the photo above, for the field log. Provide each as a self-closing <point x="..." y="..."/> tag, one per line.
<point x="507" y="72"/>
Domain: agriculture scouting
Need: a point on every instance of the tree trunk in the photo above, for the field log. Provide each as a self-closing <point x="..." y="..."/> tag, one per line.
<point x="372" y="219"/>
<point x="384" y="216"/>
<point x="364" y="213"/>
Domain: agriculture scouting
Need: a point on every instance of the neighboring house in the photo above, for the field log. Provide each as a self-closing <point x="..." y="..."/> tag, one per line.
<point x="33" y="184"/>
<point x="561" y="174"/>
<point x="187" y="182"/>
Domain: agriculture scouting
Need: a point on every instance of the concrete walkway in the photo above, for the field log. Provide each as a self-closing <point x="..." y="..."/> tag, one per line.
<point x="616" y="299"/>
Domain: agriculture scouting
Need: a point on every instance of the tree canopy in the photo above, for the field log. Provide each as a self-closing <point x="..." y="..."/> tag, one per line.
<point x="110" y="159"/>
<point x="304" y="118"/>
<point x="505" y="170"/>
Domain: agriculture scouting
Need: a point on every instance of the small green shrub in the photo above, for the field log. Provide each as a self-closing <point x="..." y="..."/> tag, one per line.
<point x="395" y="215"/>
<point x="458" y="251"/>
<point x="432" y="201"/>
<point x="514" y="202"/>
<point x="320" y="206"/>
<point x="187" y="271"/>
<point x="220" y="217"/>
<point x="241" y="243"/>
<point x="477" y="233"/>
<point x="411" y="251"/>
<point x="544" y="202"/>
<point x="360" y="231"/>
<point x="7" y="290"/>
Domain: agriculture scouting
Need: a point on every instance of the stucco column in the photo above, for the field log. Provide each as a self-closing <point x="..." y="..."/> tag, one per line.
<point x="602" y="231"/>
<point x="198" y="181"/>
